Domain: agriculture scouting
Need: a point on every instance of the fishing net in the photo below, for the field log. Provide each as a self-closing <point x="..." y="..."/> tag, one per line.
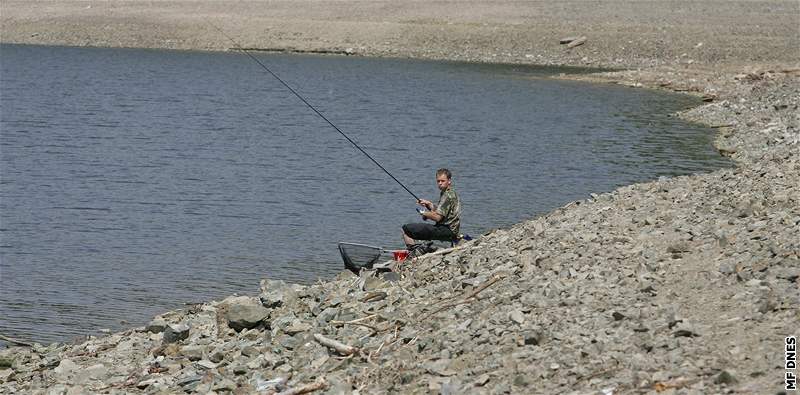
<point x="357" y="256"/>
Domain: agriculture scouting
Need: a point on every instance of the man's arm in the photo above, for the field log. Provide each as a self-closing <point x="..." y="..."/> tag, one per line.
<point x="431" y="214"/>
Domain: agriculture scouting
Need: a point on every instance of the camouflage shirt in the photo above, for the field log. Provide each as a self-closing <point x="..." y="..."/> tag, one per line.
<point x="449" y="208"/>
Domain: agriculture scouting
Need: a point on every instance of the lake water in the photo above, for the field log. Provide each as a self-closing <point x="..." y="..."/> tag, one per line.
<point x="134" y="181"/>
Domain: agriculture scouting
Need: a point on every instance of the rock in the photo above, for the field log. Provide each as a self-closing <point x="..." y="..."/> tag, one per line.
<point x="790" y="274"/>
<point x="6" y="361"/>
<point x="685" y="330"/>
<point x="65" y="369"/>
<point x="532" y="337"/>
<point x="157" y="325"/>
<point x="224" y="384"/>
<point x="272" y="299"/>
<point x="192" y="353"/>
<point x="205" y="364"/>
<point x="245" y="316"/>
<point x="726" y="378"/>
<point x="174" y="333"/>
<point x="327" y="315"/>
<point x="6" y="374"/>
<point x="217" y="356"/>
<point x="94" y="372"/>
<point x="516" y="316"/>
<point x="297" y="327"/>
<point x="188" y="381"/>
<point x="618" y="316"/>
<point x="679" y="247"/>
<point x="439" y="367"/>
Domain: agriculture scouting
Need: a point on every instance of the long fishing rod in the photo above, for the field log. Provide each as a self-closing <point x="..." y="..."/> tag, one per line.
<point x="239" y="48"/>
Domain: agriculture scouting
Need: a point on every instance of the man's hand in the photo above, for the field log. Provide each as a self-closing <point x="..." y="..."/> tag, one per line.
<point x="425" y="203"/>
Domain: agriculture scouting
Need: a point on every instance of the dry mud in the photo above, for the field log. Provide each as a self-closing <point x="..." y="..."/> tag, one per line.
<point x="679" y="285"/>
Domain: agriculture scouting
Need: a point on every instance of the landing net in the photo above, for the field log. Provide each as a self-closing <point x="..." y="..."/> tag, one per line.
<point x="357" y="256"/>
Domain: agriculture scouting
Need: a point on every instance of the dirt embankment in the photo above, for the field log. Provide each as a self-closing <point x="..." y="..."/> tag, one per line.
<point x="682" y="285"/>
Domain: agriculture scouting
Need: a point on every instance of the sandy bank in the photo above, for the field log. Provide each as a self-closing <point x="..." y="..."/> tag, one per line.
<point x="619" y="33"/>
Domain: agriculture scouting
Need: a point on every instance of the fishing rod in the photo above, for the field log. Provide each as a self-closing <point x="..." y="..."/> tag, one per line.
<point x="239" y="48"/>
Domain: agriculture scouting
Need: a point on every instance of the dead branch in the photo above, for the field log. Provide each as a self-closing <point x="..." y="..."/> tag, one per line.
<point x="357" y="320"/>
<point x="305" y="389"/>
<point x="468" y="298"/>
<point x="374" y="296"/>
<point x="341" y="348"/>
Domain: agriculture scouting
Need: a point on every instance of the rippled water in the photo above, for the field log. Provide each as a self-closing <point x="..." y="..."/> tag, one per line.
<point x="134" y="181"/>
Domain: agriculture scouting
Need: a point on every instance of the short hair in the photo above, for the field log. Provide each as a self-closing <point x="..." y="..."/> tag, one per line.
<point x="445" y="172"/>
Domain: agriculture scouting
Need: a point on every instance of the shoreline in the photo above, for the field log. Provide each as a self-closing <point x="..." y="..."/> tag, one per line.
<point x="685" y="284"/>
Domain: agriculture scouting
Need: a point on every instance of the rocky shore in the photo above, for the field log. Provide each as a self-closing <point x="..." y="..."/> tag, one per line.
<point x="680" y="285"/>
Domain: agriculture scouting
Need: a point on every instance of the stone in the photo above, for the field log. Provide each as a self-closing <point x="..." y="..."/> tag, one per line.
<point x="6" y="375"/>
<point x="157" y="325"/>
<point x="272" y="299"/>
<point x="174" y="333"/>
<point x="94" y="372"/>
<point x="245" y="316"/>
<point x="224" y="384"/>
<point x="192" y="352"/>
<point x="65" y="369"/>
<point x="217" y="356"/>
<point x="516" y="316"/>
<point x="327" y="315"/>
<point x="532" y="337"/>
<point x="205" y="364"/>
<point x="297" y="327"/>
<point x="725" y="377"/>
<point x="679" y="247"/>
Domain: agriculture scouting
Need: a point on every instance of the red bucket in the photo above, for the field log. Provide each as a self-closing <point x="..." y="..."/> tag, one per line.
<point x="400" y="255"/>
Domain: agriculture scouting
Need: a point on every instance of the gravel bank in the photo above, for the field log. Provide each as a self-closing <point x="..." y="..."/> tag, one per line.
<point x="681" y="285"/>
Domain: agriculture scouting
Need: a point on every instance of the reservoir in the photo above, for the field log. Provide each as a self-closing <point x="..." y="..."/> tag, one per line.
<point x="135" y="181"/>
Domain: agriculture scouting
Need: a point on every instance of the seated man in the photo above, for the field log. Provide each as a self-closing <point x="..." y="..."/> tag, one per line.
<point x="446" y="214"/>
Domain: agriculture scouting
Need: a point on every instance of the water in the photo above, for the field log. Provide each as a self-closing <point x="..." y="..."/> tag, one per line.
<point x="134" y="181"/>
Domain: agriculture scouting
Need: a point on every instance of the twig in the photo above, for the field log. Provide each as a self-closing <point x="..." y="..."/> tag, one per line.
<point x="374" y="296"/>
<point x="355" y="320"/>
<point x="15" y="341"/>
<point x="466" y="299"/>
<point x="341" y="348"/>
<point x="305" y="389"/>
<point x="374" y="328"/>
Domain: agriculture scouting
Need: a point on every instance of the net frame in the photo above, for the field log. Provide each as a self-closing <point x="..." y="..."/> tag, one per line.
<point x="357" y="256"/>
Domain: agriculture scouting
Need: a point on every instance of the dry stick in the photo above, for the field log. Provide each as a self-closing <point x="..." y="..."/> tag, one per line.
<point x="374" y="296"/>
<point x="355" y="320"/>
<point x="318" y="385"/>
<point x="340" y="347"/>
<point x="15" y="341"/>
<point x="374" y="329"/>
<point x="467" y="298"/>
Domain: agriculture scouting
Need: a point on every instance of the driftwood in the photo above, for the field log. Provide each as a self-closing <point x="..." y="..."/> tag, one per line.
<point x="374" y="296"/>
<point x="15" y="341"/>
<point x="467" y="298"/>
<point x="576" y="42"/>
<point x="305" y="389"/>
<point x="341" y="348"/>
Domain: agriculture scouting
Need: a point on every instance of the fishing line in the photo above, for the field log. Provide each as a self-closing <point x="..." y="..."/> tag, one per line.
<point x="239" y="48"/>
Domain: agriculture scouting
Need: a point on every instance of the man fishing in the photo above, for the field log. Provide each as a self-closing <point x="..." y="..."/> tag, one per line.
<point x="446" y="215"/>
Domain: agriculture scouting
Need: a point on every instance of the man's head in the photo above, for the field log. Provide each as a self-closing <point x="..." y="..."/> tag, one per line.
<point x="443" y="179"/>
